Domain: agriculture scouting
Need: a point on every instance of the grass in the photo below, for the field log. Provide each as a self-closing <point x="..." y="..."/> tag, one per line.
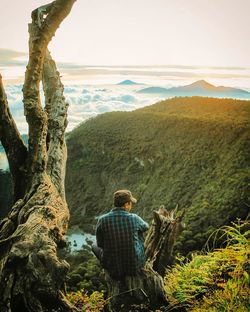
<point x="217" y="280"/>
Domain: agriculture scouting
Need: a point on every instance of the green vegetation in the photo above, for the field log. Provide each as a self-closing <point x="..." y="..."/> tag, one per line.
<point x="87" y="303"/>
<point x="194" y="152"/>
<point x="216" y="281"/>
<point x="5" y="193"/>
<point x="85" y="271"/>
<point x="86" y="285"/>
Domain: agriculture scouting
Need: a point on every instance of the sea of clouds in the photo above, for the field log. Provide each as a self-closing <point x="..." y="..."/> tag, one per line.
<point x="85" y="101"/>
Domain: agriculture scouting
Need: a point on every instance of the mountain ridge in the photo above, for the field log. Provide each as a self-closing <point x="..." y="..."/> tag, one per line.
<point x="198" y="88"/>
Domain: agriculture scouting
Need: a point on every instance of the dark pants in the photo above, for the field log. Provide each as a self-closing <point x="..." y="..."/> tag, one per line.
<point x="98" y="252"/>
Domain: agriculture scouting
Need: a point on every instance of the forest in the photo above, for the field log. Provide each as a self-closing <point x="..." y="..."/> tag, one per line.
<point x="191" y="152"/>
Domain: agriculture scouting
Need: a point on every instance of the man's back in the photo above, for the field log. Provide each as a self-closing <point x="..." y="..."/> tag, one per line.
<point x="119" y="234"/>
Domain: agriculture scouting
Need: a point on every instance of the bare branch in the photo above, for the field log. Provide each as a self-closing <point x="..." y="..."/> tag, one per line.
<point x="56" y="108"/>
<point x="13" y="144"/>
<point x="41" y="31"/>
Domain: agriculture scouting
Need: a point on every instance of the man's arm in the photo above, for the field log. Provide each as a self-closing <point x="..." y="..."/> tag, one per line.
<point x="143" y="226"/>
<point x="99" y="234"/>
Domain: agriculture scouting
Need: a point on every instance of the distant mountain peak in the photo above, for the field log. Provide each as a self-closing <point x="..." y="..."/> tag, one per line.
<point x="202" y="83"/>
<point x="128" y="82"/>
<point x="199" y="85"/>
<point x="198" y="88"/>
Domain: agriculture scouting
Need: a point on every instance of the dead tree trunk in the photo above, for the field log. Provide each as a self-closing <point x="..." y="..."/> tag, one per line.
<point x="146" y="291"/>
<point x="31" y="274"/>
<point x="160" y="240"/>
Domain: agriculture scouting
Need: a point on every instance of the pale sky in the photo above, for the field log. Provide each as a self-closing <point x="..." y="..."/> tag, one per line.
<point x="140" y="32"/>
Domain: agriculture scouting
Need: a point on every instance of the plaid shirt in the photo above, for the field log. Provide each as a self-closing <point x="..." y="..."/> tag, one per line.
<point x="119" y="234"/>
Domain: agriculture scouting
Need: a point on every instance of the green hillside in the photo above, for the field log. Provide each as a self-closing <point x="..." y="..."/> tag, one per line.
<point x="194" y="152"/>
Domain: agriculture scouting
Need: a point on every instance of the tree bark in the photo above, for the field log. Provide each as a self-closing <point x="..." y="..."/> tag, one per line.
<point x="146" y="291"/>
<point x="56" y="109"/>
<point x="136" y="293"/>
<point x="162" y="235"/>
<point x="31" y="274"/>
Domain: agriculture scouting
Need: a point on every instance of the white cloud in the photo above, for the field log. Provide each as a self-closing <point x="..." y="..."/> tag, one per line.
<point x="91" y="101"/>
<point x="84" y="102"/>
<point x="15" y="96"/>
<point x="11" y="57"/>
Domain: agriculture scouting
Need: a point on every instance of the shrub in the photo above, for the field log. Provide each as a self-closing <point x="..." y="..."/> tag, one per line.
<point x="217" y="280"/>
<point x="88" y="303"/>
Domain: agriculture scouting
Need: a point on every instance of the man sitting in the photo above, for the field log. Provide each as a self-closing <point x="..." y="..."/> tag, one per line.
<point x="119" y="236"/>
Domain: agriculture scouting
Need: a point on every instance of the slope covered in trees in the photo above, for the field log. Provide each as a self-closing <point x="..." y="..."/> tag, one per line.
<point x="193" y="152"/>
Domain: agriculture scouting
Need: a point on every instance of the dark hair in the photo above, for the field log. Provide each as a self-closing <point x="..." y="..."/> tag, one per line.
<point x="120" y="201"/>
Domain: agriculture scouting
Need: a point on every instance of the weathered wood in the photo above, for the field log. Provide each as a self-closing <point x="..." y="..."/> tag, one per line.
<point x="45" y="22"/>
<point x="162" y="235"/>
<point x="147" y="289"/>
<point x="31" y="274"/>
<point x="56" y="109"/>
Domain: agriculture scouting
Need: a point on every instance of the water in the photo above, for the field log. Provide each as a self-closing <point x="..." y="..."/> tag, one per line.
<point x="78" y="240"/>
